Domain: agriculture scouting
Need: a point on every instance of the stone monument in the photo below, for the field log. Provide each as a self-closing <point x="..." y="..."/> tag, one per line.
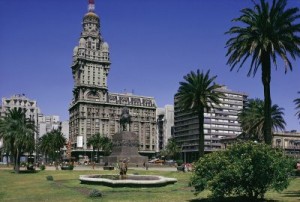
<point x="125" y="144"/>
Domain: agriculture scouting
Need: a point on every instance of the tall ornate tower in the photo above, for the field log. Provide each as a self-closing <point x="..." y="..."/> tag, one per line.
<point x="94" y="109"/>
<point x="90" y="69"/>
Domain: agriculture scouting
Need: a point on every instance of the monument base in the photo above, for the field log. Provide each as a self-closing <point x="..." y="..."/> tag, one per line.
<point x="125" y="147"/>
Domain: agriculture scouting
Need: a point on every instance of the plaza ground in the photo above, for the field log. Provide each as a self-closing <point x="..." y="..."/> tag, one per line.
<point x="66" y="187"/>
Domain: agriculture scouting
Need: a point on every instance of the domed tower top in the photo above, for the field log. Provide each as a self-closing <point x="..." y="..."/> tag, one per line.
<point x="91" y="16"/>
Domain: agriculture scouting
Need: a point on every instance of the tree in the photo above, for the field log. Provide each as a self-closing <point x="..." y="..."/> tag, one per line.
<point x="252" y="119"/>
<point x="269" y="31"/>
<point x="246" y="170"/>
<point x="100" y="142"/>
<point x="17" y="133"/>
<point x="197" y="94"/>
<point x="172" y="149"/>
<point x="106" y="146"/>
<point x="297" y="103"/>
<point x="51" y="143"/>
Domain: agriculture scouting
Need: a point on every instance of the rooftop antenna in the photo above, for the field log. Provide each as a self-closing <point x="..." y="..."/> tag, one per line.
<point x="91" y="6"/>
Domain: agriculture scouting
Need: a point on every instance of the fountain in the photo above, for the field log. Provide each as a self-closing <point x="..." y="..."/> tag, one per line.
<point x="125" y="150"/>
<point x="127" y="181"/>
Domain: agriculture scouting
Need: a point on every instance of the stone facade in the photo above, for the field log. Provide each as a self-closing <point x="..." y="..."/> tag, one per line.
<point x="94" y="109"/>
<point x="125" y="147"/>
<point x="289" y="141"/>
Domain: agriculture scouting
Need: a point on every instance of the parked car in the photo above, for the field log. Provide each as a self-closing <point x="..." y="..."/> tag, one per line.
<point x="152" y="160"/>
<point x="159" y="161"/>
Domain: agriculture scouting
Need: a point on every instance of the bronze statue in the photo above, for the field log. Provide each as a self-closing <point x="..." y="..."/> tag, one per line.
<point x="125" y="118"/>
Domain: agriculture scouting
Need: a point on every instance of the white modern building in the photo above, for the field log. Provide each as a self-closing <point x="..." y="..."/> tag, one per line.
<point x="220" y="122"/>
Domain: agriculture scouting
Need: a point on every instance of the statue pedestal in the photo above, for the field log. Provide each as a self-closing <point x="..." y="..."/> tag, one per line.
<point x="125" y="147"/>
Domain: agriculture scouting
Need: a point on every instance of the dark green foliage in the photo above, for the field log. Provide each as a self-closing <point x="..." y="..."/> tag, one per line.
<point x="52" y="142"/>
<point x="262" y="34"/>
<point x="171" y="150"/>
<point x="17" y="133"/>
<point x="252" y="119"/>
<point x="98" y="142"/>
<point x="42" y="167"/>
<point x="248" y="169"/>
<point x="67" y="167"/>
<point x="95" y="193"/>
<point x="179" y="162"/>
<point x="297" y="103"/>
<point x="49" y="178"/>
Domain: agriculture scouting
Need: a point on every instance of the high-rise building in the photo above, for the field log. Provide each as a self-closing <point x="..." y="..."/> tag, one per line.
<point x="94" y="109"/>
<point x="165" y="122"/>
<point x="219" y="123"/>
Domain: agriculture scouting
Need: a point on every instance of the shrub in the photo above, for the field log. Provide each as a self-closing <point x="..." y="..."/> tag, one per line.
<point x="42" y="167"/>
<point x="49" y="178"/>
<point x="71" y="167"/>
<point x="95" y="193"/>
<point x="248" y="169"/>
<point x="179" y="162"/>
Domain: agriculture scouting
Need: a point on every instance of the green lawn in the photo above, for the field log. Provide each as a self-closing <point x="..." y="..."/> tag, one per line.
<point x="67" y="187"/>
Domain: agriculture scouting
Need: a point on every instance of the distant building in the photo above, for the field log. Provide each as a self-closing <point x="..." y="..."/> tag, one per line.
<point x="165" y="122"/>
<point x="47" y="123"/>
<point x="220" y="122"/>
<point x="94" y="109"/>
<point x="65" y="129"/>
<point x="21" y="101"/>
<point x="289" y="141"/>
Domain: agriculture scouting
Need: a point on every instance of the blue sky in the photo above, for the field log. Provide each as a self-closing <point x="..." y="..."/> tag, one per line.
<point x="153" y="44"/>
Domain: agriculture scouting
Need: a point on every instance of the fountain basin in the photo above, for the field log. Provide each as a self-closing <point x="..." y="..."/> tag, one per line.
<point x="130" y="181"/>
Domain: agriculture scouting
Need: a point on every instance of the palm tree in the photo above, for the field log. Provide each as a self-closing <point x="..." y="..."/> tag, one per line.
<point x="51" y="143"/>
<point x="45" y="145"/>
<point x="106" y="146"/>
<point x="269" y="31"/>
<point x="252" y="119"/>
<point x="17" y="133"/>
<point x="297" y="103"/>
<point x="197" y="94"/>
<point x="100" y="142"/>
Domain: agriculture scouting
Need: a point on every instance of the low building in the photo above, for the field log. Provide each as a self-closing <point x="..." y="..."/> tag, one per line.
<point x="289" y="141"/>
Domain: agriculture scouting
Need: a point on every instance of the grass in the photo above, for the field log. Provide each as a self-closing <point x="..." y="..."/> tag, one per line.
<point x="67" y="187"/>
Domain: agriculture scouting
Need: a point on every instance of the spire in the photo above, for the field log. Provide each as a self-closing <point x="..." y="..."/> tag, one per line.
<point x="91" y="6"/>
